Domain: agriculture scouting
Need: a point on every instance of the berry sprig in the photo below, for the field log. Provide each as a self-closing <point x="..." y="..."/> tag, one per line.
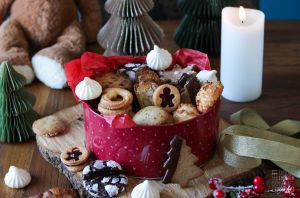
<point x="251" y="191"/>
<point x="289" y="189"/>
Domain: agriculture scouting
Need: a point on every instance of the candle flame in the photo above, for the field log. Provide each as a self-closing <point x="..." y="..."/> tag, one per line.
<point x="242" y="14"/>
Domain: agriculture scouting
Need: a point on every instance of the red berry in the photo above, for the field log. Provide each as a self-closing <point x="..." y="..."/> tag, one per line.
<point x="251" y="193"/>
<point x="219" y="194"/>
<point x="258" y="180"/>
<point x="214" y="183"/>
<point x="243" y="194"/>
<point x="259" y="188"/>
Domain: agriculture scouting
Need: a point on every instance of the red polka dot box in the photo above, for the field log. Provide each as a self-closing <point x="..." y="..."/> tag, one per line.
<point x="141" y="150"/>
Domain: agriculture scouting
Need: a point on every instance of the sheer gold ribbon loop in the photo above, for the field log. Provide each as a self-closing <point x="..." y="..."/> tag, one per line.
<point x="251" y="139"/>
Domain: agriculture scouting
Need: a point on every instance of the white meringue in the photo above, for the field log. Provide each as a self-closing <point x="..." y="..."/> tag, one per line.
<point x="159" y="59"/>
<point x="88" y="89"/>
<point x="17" y="177"/>
<point x="147" y="189"/>
<point x="207" y="76"/>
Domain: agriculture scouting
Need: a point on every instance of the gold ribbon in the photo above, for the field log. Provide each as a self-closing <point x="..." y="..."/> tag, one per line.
<point x="251" y="139"/>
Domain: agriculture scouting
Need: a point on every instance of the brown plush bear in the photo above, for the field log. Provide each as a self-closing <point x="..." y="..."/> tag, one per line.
<point x="53" y="27"/>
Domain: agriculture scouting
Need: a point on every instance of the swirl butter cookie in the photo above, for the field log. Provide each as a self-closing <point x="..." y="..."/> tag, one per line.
<point x="167" y="96"/>
<point x="115" y="101"/>
<point x="115" y="98"/>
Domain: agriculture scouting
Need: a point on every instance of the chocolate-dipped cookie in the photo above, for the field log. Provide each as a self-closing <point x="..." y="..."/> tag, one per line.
<point x="188" y="87"/>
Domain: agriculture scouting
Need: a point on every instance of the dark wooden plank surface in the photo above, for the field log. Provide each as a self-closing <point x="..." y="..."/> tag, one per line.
<point x="280" y="99"/>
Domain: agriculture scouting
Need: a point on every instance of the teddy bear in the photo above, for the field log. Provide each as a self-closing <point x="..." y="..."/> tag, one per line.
<point x="39" y="36"/>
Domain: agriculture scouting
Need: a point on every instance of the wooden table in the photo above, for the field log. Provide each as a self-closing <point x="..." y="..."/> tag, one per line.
<point x="280" y="99"/>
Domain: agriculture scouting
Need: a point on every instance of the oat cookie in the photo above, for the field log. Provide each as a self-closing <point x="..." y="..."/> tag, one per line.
<point x="49" y="126"/>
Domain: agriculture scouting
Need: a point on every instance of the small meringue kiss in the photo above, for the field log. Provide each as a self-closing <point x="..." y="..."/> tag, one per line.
<point x="17" y="177"/>
<point x="88" y="89"/>
<point x="147" y="189"/>
<point x="207" y="76"/>
<point x="159" y="59"/>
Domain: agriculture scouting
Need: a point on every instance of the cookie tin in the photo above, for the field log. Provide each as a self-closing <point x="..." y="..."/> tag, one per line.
<point x="141" y="150"/>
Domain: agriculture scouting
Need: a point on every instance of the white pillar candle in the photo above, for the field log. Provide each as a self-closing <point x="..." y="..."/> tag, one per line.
<point x="242" y="44"/>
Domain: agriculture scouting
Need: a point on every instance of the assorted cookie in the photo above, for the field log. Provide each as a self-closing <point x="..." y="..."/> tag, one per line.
<point x="57" y="193"/>
<point x="115" y="101"/>
<point x="104" y="179"/>
<point x="49" y="126"/>
<point x="175" y="74"/>
<point x="130" y="70"/>
<point x="208" y="95"/>
<point x="114" y="80"/>
<point x="75" y="158"/>
<point x="188" y="87"/>
<point x="185" y="112"/>
<point x="167" y="97"/>
<point x="144" y="91"/>
<point x="152" y="115"/>
<point x="180" y="166"/>
<point x="179" y="92"/>
<point x="144" y="74"/>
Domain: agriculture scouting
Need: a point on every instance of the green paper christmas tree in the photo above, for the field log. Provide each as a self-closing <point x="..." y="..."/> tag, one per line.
<point x="201" y="26"/>
<point x="130" y="29"/>
<point x="16" y="113"/>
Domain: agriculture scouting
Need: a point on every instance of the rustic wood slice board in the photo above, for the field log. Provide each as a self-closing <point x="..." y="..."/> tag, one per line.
<point x="50" y="148"/>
